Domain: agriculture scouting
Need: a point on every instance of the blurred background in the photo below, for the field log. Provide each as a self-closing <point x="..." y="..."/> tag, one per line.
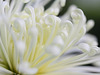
<point x="91" y="9"/>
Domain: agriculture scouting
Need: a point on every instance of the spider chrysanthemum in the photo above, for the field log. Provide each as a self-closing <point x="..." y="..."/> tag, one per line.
<point x="34" y="41"/>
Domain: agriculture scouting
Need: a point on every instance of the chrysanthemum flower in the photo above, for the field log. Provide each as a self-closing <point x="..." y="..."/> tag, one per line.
<point x="34" y="41"/>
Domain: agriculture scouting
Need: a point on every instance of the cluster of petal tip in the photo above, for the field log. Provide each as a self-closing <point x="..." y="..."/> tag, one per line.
<point x="34" y="40"/>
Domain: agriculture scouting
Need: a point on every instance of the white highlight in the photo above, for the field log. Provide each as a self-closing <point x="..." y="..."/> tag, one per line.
<point x="25" y="69"/>
<point x="20" y="47"/>
<point x="54" y="50"/>
<point x="84" y="46"/>
<point x="58" y="40"/>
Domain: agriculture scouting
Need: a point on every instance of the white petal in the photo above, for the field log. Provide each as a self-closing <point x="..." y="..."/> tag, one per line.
<point x="90" y="25"/>
<point x="84" y="46"/>
<point x="58" y="40"/>
<point x="25" y="69"/>
<point x="54" y="50"/>
<point x="5" y="71"/>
